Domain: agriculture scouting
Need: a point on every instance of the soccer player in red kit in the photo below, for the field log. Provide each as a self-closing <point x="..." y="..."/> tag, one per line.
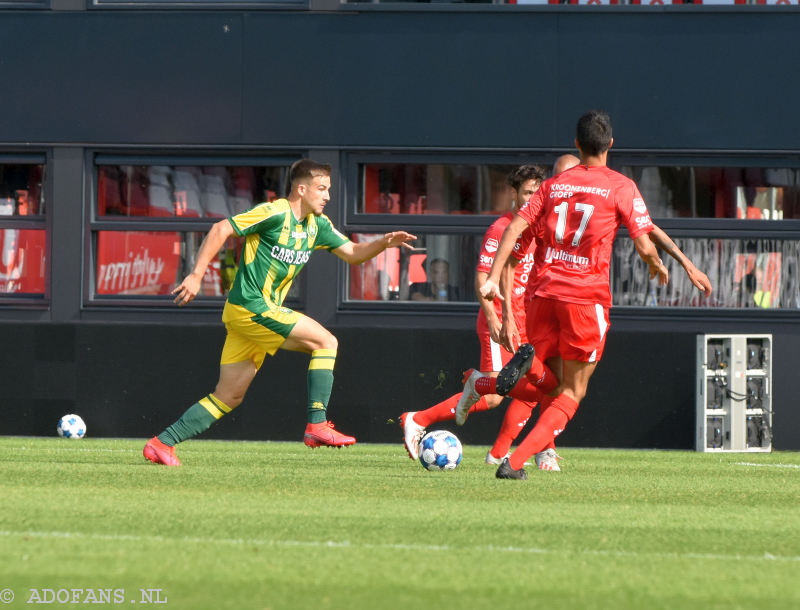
<point x="575" y="217"/>
<point x="524" y="180"/>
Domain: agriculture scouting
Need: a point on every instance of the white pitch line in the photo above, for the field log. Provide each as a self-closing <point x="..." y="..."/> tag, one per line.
<point x="768" y="465"/>
<point x="77" y="449"/>
<point x="345" y="544"/>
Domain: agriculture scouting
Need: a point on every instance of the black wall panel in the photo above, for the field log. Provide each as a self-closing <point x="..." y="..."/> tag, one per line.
<point x="671" y="79"/>
<point x="134" y="380"/>
<point x="111" y="78"/>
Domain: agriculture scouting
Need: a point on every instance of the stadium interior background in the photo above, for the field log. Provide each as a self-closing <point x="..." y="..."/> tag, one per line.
<point x="128" y="128"/>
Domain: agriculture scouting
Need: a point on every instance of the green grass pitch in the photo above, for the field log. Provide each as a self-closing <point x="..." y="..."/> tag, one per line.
<point x="249" y="525"/>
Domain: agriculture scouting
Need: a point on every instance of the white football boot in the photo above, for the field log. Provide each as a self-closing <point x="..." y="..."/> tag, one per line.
<point x="490" y="459"/>
<point x="547" y="460"/>
<point x="468" y="397"/>
<point x="412" y="434"/>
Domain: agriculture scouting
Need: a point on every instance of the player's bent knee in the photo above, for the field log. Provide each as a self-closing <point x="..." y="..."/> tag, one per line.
<point x="322" y="341"/>
<point x="330" y="342"/>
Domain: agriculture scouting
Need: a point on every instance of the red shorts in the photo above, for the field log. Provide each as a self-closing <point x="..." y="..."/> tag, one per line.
<point x="493" y="355"/>
<point x="573" y="331"/>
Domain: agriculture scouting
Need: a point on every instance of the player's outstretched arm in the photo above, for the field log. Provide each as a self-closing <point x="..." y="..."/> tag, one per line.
<point x="699" y="279"/>
<point x="648" y="253"/>
<point x="187" y="290"/>
<point x="357" y="253"/>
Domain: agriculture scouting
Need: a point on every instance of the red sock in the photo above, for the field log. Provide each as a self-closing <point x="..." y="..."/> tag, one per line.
<point x="551" y="423"/>
<point x="446" y="411"/>
<point x="440" y="412"/>
<point x="486" y="385"/>
<point x="517" y="415"/>
<point x="541" y="376"/>
<point x="481" y="405"/>
<point x="543" y="406"/>
<point x="525" y="390"/>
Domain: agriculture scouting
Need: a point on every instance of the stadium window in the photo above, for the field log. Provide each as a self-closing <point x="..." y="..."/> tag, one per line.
<point x="714" y="207"/>
<point x="698" y="191"/>
<point x="183" y="191"/>
<point x="447" y="201"/>
<point x="440" y="269"/>
<point x="434" y="188"/>
<point x="148" y="264"/>
<point x="194" y="4"/>
<point x="671" y="191"/>
<point x="23" y="232"/>
<point x="150" y="216"/>
<point x="745" y="274"/>
<point x="28" y="4"/>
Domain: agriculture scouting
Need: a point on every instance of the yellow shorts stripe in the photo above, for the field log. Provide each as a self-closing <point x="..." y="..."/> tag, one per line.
<point x="209" y="406"/>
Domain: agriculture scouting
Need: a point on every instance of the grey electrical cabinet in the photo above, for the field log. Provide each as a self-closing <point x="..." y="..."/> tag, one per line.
<point x="734" y="394"/>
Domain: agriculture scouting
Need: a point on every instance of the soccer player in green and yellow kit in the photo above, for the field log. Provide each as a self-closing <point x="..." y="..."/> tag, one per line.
<point x="279" y="239"/>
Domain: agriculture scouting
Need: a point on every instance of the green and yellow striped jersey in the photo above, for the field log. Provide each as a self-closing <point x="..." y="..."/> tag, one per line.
<point x="277" y="246"/>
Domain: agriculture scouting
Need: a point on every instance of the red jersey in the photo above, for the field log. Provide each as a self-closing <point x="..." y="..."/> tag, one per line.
<point x="523" y="252"/>
<point x="575" y="217"/>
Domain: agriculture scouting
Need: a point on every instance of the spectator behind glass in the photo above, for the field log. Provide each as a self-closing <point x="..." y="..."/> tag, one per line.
<point x="438" y="287"/>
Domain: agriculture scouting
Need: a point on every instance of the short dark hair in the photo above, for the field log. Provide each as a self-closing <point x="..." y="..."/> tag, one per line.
<point x="306" y="169"/>
<point x="524" y="173"/>
<point x="593" y="132"/>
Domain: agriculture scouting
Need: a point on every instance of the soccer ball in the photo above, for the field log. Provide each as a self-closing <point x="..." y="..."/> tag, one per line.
<point x="71" y="426"/>
<point x="440" y="450"/>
